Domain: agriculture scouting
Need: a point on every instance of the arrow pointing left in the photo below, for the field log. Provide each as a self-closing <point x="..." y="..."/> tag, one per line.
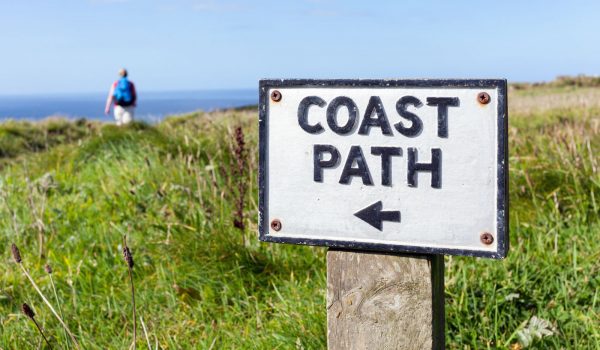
<point x="375" y="216"/>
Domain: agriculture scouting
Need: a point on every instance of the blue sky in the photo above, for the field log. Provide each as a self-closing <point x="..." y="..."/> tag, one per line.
<point x="77" y="46"/>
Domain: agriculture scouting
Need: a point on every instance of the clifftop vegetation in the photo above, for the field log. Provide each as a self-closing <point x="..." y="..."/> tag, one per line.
<point x="184" y="192"/>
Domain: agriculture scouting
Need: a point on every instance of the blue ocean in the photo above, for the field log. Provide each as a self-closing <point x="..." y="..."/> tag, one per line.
<point x="152" y="106"/>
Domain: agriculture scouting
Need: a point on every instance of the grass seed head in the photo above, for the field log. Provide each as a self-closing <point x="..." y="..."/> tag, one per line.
<point x="48" y="268"/>
<point x="128" y="257"/>
<point x="16" y="253"/>
<point x="239" y="172"/>
<point x="27" y="310"/>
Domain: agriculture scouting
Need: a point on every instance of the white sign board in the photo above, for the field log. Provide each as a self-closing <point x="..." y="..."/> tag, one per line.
<point x="415" y="166"/>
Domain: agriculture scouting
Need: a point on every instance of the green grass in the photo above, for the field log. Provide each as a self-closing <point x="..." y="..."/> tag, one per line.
<point x="201" y="283"/>
<point x="19" y="137"/>
<point x="552" y="270"/>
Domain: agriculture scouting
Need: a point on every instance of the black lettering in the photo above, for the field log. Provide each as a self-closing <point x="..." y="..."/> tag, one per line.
<point x="386" y="154"/>
<point x="442" y="104"/>
<point x="362" y="170"/>
<point x="319" y="163"/>
<point x="332" y="111"/>
<point x="435" y="167"/>
<point x="380" y="121"/>
<point x="416" y="126"/>
<point x="303" y="114"/>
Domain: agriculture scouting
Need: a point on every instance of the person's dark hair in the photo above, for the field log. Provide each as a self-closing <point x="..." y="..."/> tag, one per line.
<point x="123" y="72"/>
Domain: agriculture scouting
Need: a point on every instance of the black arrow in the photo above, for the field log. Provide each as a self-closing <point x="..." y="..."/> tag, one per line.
<point x="374" y="216"/>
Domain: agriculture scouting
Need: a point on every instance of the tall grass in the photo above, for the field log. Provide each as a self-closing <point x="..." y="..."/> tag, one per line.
<point x="169" y="189"/>
<point x="203" y="284"/>
<point x="28" y="311"/>
<point x="552" y="270"/>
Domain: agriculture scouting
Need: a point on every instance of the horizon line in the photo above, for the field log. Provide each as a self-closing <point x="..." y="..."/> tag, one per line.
<point x="143" y="91"/>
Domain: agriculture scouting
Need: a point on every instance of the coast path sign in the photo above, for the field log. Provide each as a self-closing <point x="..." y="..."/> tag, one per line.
<point x="416" y="166"/>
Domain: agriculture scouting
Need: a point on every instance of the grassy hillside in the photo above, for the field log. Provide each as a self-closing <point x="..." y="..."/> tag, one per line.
<point x="67" y="197"/>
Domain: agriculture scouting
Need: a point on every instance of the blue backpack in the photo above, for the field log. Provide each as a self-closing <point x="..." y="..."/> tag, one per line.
<point x="123" y="94"/>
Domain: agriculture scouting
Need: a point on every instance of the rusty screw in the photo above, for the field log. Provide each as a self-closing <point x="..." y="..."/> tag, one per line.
<point x="483" y="98"/>
<point x="486" y="238"/>
<point x="276" y="96"/>
<point x="276" y="224"/>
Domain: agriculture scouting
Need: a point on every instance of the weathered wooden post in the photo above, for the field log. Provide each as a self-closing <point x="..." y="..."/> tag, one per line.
<point x="391" y="175"/>
<point x="377" y="301"/>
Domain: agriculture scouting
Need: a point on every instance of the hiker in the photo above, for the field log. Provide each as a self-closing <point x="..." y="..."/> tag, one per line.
<point x="122" y="94"/>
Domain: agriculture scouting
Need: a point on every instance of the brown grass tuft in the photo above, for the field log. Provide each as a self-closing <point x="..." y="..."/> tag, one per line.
<point x="16" y="253"/>
<point x="27" y="310"/>
<point x="239" y="172"/>
<point x="129" y="260"/>
<point x="128" y="257"/>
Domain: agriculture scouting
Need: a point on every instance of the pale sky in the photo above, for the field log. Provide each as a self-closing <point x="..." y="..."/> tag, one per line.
<point x="64" y="46"/>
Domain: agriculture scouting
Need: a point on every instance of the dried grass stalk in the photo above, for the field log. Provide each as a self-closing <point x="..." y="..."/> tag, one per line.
<point x="129" y="261"/>
<point x="28" y="311"/>
<point x="17" y="256"/>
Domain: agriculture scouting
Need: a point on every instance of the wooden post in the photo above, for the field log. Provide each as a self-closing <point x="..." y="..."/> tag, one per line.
<point x="383" y="301"/>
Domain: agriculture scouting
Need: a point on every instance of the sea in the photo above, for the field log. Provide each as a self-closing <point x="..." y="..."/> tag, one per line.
<point x="153" y="106"/>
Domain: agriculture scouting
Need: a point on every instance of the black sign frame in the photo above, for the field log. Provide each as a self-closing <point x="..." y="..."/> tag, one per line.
<point x="502" y="224"/>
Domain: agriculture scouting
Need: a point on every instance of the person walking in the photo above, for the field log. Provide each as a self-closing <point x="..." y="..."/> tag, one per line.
<point x="123" y="96"/>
